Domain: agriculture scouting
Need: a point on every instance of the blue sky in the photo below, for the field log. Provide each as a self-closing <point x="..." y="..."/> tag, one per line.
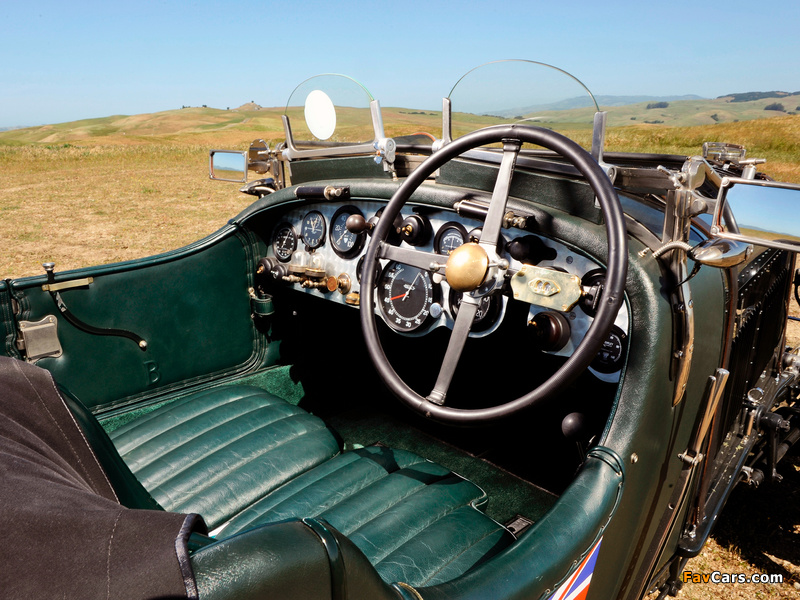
<point x="62" y="61"/>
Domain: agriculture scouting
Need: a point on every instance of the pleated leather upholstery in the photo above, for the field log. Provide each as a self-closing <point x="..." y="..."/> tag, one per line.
<point x="415" y="521"/>
<point x="243" y="458"/>
<point x="217" y="452"/>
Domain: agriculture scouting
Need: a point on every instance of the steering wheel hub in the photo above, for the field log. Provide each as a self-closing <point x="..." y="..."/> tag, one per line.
<point x="467" y="267"/>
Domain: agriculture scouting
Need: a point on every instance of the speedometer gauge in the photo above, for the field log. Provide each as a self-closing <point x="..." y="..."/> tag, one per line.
<point x="313" y="229"/>
<point x="343" y="241"/>
<point x="406" y="295"/>
<point x="284" y="241"/>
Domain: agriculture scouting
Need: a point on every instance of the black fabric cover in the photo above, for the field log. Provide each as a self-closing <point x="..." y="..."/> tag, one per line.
<point x="64" y="532"/>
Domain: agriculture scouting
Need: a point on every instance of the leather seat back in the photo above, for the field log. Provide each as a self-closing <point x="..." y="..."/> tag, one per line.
<point x="130" y="492"/>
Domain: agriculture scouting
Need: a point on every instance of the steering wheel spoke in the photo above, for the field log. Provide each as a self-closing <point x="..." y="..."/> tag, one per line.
<point x="497" y="209"/>
<point x="458" y="338"/>
<point x="415" y="258"/>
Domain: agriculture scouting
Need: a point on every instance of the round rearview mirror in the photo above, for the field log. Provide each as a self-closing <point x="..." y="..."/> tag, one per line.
<point x="320" y="114"/>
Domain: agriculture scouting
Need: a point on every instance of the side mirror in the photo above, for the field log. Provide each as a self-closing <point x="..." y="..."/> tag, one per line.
<point x="765" y="213"/>
<point x="227" y="165"/>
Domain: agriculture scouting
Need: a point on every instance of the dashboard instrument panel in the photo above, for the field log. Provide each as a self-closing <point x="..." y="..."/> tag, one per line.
<point x="312" y="250"/>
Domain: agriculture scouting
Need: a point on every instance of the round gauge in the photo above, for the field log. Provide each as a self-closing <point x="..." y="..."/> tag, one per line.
<point x="405" y="296"/>
<point x="612" y="352"/>
<point x="284" y="241"/>
<point x="343" y="241"/>
<point x="360" y="266"/>
<point x="488" y="309"/>
<point x="312" y="230"/>
<point x="450" y="236"/>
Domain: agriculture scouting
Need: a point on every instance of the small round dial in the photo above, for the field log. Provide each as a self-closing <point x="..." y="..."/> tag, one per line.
<point x="488" y="310"/>
<point x="450" y="236"/>
<point x="344" y="242"/>
<point x="612" y="352"/>
<point x="406" y="294"/>
<point x="312" y="229"/>
<point x="284" y="241"/>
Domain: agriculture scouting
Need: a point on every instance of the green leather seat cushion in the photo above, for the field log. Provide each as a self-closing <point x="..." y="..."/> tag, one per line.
<point x="415" y="521"/>
<point x="243" y="458"/>
<point x="216" y="452"/>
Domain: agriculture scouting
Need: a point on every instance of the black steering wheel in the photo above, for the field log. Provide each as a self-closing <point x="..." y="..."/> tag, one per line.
<point x="477" y="269"/>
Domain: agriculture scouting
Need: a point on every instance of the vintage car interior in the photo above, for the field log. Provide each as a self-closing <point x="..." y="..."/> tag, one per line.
<point x="459" y="365"/>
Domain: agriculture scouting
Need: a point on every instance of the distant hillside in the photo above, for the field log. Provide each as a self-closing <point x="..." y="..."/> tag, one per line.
<point x="130" y="128"/>
<point x="750" y="96"/>
<point x="249" y="106"/>
<point x="250" y="121"/>
<point x="586" y="102"/>
<point x="683" y="112"/>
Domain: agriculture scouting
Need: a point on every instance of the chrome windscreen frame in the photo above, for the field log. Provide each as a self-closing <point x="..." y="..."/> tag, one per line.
<point x="381" y="147"/>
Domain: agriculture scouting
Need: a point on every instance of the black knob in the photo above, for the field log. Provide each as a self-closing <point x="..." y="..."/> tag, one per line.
<point x="574" y="426"/>
<point x="357" y="224"/>
<point x="416" y="230"/>
<point x="550" y="331"/>
<point x="530" y="250"/>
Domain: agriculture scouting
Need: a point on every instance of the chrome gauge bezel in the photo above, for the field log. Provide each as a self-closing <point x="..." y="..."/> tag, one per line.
<point x="420" y="294"/>
<point x="442" y="234"/>
<point x="353" y="242"/>
<point x="312" y="237"/>
<point x="279" y="247"/>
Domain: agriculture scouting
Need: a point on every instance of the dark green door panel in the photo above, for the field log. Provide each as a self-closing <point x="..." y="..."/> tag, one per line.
<point x="192" y="307"/>
<point x="8" y="333"/>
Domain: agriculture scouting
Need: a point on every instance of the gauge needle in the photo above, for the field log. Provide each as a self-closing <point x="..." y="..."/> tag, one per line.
<point x="408" y="291"/>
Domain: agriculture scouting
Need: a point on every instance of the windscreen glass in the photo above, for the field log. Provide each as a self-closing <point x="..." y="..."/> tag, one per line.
<point x="330" y="110"/>
<point x="521" y="91"/>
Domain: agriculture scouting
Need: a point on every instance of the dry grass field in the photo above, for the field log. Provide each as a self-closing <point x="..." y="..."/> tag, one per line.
<point x="116" y="189"/>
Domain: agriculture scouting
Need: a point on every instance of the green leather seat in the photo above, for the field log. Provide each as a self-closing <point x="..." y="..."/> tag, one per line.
<point x="414" y="520"/>
<point x="243" y="458"/>
<point x="216" y="452"/>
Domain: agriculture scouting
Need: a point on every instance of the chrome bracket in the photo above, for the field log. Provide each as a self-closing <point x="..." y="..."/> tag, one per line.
<point x="67" y="285"/>
<point x="39" y="339"/>
<point x="715" y="385"/>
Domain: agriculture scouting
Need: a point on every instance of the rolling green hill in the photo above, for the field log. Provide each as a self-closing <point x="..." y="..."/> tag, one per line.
<point x="680" y="127"/>
<point x="250" y="120"/>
